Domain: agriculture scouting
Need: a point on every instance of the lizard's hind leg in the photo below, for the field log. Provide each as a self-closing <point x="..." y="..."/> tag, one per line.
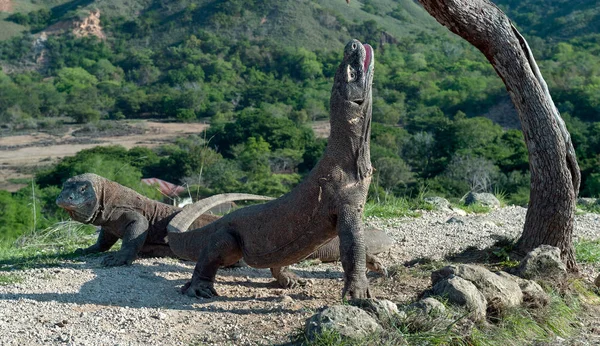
<point x="374" y="264"/>
<point x="223" y="249"/>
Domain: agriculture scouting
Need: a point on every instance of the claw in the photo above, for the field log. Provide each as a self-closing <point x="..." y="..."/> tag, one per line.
<point x="291" y="281"/>
<point x="185" y="287"/>
<point x="115" y="261"/>
<point x="199" y="290"/>
<point x="358" y="288"/>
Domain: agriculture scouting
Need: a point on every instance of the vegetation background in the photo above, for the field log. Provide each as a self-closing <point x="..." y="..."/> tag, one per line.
<point x="261" y="72"/>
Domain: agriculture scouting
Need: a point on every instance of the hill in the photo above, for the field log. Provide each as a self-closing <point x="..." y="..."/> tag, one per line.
<point x="554" y="19"/>
<point x="321" y="24"/>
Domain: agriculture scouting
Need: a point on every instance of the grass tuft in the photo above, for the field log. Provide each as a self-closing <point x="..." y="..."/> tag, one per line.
<point x="522" y="326"/>
<point x="66" y="235"/>
<point x="46" y="247"/>
<point x="8" y="279"/>
<point x="391" y="207"/>
<point x="587" y="251"/>
<point x="590" y="208"/>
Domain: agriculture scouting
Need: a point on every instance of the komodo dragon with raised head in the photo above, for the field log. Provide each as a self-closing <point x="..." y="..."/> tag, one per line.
<point x="327" y="203"/>
<point x="124" y="214"/>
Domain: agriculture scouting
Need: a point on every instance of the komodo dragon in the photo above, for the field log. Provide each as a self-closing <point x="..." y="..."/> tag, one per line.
<point x="376" y="241"/>
<point x="327" y="203"/>
<point x="76" y="191"/>
<point x="123" y="213"/>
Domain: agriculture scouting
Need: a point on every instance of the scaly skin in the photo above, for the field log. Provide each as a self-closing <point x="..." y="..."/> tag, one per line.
<point x="124" y="214"/>
<point x="376" y="241"/>
<point x="327" y="203"/>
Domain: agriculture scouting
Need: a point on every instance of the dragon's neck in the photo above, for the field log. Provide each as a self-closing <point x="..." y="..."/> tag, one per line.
<point x="349" y="143"/>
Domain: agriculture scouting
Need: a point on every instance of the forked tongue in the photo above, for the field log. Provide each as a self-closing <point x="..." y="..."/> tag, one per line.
<point x="368" y="56"/>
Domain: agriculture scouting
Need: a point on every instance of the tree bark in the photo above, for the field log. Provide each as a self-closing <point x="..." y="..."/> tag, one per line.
<point x="555" y="174"/>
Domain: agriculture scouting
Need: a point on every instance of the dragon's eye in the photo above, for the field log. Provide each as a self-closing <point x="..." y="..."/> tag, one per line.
<point x="351" y="74"/>
<point x="82" y="189"/>
<point x="354" y="46"/>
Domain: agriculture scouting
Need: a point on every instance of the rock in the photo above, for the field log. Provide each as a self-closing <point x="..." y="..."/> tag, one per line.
<point x="543" y="263"/>
<point x="428" y="306"/>
<point x="499" y="291"/>
<point x="438" y="203"/>
<point x="348" y="321"/>
<point x="534" y="295"/>
<point x="587" y="202"/>
<point x="286" y="299"/>
<point x="159" y="316"/>
<point x="382" y="309"/>
<point x="455" y="220"/>
<point x="425" y="315"/>
<point x="459" y="211"/>
<point x="483" y="198"/>
<point x="463" y="293"/>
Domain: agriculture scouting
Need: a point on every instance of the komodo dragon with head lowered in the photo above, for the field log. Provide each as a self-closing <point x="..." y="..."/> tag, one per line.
<point x="327" y="203"/>
<point x="124" y="214"/>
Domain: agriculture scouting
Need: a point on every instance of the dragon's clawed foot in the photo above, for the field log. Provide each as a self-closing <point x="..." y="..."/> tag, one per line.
<point x="117" y="259"/>
<point x="200" y="289"/>
<point x="291" y="280"/>
<point x="81" y="252"/>
<point x="287" y="278"/>
<point x="86" y="251"/>
<point x="358" y="288"/>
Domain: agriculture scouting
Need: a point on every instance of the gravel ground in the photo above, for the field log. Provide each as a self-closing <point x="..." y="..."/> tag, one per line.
<point x="82" y="303"/>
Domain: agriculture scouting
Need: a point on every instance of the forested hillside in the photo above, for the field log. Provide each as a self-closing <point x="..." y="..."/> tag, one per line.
<point x="261" y="71"/>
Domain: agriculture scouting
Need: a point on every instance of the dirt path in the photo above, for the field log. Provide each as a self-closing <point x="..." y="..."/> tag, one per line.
<point x="20" y="155"/>
<point x="6" y="6"/>
<point x="83" y="303"/>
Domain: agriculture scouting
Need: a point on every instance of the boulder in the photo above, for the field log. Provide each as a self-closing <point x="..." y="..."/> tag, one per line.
<point x="438" y="203"/>
<point x="543" y="262"/>
<point x="426" y="315"/>
<point x="459" y="211"/>
<point x="499" y="291"/>
<point x="455" y="220"/>
<point x="463" y="293"/>
<point x="442" y="204"/>
<point x="349" y="321"/>
<point x="381" y="309"/>
<point x="484" y="198"/>
<point x="534" y="295"/>
<point x="428" y="306"/>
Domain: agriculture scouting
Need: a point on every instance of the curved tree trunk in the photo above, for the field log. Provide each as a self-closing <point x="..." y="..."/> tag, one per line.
<point x="555" y="175"/>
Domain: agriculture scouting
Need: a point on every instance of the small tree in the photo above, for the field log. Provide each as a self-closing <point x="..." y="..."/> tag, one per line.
<point x="478" y="172"/>
<point x="555" y="175"/>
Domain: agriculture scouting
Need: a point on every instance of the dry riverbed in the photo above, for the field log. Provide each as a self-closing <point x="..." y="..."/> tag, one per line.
<point x="82" y="303"/>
